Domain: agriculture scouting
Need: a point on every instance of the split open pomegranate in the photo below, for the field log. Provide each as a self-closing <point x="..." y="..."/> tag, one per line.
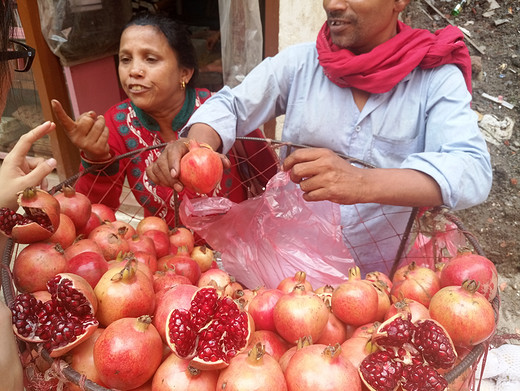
<point x="40" y="220"/>
<point x="60" y="323"/>
<point x="211" y="332"/>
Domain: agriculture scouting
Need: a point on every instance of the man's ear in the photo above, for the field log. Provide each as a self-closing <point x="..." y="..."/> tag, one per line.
<point x="400" y="5"/>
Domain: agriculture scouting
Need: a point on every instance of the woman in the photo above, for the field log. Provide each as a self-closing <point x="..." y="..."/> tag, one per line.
<point x="157" y="71"/>
<point x="16" y="173"/>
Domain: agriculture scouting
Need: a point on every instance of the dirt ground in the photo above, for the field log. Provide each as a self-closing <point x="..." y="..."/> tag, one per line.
<point x="493" y="28"/>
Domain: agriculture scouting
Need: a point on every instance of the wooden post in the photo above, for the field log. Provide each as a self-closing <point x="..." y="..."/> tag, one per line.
<point x="272" y="29"/>
<point x="50" y="81"/>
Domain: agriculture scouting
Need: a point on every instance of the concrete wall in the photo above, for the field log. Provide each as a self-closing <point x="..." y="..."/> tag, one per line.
<point x="300" y="21"/>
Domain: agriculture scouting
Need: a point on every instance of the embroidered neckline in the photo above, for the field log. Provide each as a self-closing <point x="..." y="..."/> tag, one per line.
<point x="177" y="123"/>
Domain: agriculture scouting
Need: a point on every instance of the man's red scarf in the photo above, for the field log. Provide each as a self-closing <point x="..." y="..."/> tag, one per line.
<point x="387" y="64"/>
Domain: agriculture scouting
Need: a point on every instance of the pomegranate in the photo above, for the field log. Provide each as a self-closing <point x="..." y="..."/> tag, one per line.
<point x="286" y="357"/>
<point x="167" y="279"/>
<point x="149" y="223"/>
<point x="307" y="368"/>
<point x="300" y="313"/>
<point x="160" y="240"/>
<point x="261" y="308"/>
<point x="60" y="323"/>
<point x="93" y="222"/>
<point x="469" y="266"/>
<point x="145" y="258"/>
<point x="216" y="278"/>
<point x="104" y="212"/>
<point x="201" y="168"/>
<point x="417" y="283"/>
<point x="182" y="263"/>
<point x="211" y="332"/>
<point x="108" y="239"/>
<point x="410" y="355"/>
<point x="124" y="229"/>
<point x="253" y="370"/>
<point x="36" y="264"/>
<point x="288" y="283"/>
<point x="82" y="361"/>
<point x="383" y="298"/>
<point x="123" y="365"/>
<point x="81" y="244"/>
<point x="40" y="221"/>
<point x="355" y="349"/>
<point x="382" y="278"/>
<point x="90" y="265"/>
<point x="176" y="373"/>
<point x="465" y="313"/>
<point x="75" y="205"/>
<point x="204" y="256"/>
<point x="335" y="330"/>
<point x="355" y="302"/>
<point x="65" y="234"/>
<point x="416" y="309"/>
<point x="273" y="344"/>
<point x="181" y="237"/>
<point x="171" y="298"/>
<point x="124" y="291"/>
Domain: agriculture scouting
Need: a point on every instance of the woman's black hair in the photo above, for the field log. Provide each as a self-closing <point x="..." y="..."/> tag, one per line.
<point x="178" y="37"/>
<point x="6" y="24"/>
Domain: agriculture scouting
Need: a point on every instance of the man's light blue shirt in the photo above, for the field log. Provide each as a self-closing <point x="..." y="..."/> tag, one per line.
<point x="424" y="123"/>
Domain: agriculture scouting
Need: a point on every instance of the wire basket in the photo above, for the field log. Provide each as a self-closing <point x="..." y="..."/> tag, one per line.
<point x="255" y="161"/>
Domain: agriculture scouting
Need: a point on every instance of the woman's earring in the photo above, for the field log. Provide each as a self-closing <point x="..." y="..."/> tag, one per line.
<point x="183" y="84"/>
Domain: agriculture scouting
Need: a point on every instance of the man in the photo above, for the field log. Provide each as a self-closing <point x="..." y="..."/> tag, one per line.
<point x="374" y="89"/>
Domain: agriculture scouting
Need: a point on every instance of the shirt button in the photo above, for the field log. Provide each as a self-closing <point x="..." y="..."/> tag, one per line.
<point x="358" y="128"/>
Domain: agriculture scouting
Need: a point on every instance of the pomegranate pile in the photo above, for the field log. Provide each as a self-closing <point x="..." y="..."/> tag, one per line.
<point x="142" y="307"/>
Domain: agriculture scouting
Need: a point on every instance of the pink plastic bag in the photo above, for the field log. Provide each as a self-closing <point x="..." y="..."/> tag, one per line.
<point x="267" y="238"/>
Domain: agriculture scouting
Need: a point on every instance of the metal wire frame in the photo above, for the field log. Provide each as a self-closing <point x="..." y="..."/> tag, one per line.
<point x="76" y="378"/>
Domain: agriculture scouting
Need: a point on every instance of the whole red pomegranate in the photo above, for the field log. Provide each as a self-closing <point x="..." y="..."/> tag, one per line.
<point x="201" y="168"/>
<point x="355" y="302"/>
<point x="90" y="265"/>
<point x="273" y="344"/>
<point x="36" y="264"/>
<point x="75" y="205"/>
<point x="300" y="313"/>
<point x="469" y="266"/>
<point x="416" y="309"/>
<point x="123" y="365"/>
<point x="61" y="323"/>
<point x="108" y="239"/>
<point x="246" y="369"/>
<point x="418" y="283"/>
<point x="82" y="361"/>
<point x="216" y="278"/>
<point x="466" y="314"/>
<point x="181" y="237"/>
<point x="150" y="223"/>
<point x="176" y="373"/>
<point x="204" y="256"/>
<point x="160" y="240"/>
<point x="124" y="291"/>
<point x="167" y="279"/>
<point x="307" y="368"/>
<point x="211" y="332"/>
<point x="288" y="283"/>
<point x="104" y="212"/>
<point x="182" y="263"/>
<point x="40" y="221"/>
<point x="261" y="308"/>
<point x="286" y="357"/>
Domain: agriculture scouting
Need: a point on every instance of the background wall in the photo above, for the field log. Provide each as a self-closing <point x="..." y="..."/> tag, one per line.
<point x="300" y="21"/>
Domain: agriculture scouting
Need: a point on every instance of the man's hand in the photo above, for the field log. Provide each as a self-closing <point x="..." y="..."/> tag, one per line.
<point x="165" y="170"/>
<point x="88" y="132"/>
<point x="19" y="171"/>
<point x="323" y="175"/>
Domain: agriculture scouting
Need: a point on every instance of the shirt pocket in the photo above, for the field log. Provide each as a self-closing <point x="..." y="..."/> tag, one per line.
<point x="390" y="152"/>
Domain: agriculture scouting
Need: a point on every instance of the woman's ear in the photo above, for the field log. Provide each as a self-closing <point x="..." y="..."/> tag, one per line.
<point x="187" y="74"/>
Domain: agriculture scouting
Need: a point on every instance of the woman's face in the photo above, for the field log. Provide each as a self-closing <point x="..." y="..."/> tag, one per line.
<point x="149" y="71"/>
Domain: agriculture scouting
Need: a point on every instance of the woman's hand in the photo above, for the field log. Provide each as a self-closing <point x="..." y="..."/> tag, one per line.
<point x="88" y="132"/>
<point x="18" y="171"/>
